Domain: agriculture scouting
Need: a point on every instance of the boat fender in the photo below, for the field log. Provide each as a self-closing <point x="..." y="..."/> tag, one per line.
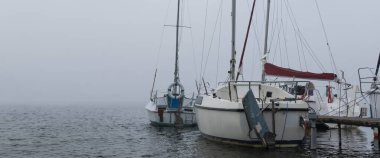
<point x="330" y="97"/>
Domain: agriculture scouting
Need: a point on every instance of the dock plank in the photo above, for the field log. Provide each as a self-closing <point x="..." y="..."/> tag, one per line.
<point x="368" y="122"/>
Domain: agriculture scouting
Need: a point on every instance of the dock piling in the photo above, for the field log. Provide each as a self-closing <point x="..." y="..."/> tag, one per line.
<point x="340" y="136"/>
<point x="378" y="140"/>
<point x="313" y="120"/>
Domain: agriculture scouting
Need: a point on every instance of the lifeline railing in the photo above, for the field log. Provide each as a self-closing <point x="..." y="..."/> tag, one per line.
<point x="288" y="86"/>
<point x="371" y="80"/>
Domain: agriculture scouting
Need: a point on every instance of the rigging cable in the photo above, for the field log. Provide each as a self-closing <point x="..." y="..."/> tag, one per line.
<point x="327" y="40"/>
<point x="212" y="39"/>
<point x="180" y="25"/>
<point x="162" y="35"/>
<point x="273" y="24"/>
<point x="256" y="38"/>
<point x="311" y="52"/>
<point x="298" y="33"/>
<point x="245" y="41"/>
<point x="292" y="21"/>
<point x="220" y="32"/>
<point x="204" y="37"/>
<point x="277" y="28"/>
<point x="284" y="35"/>
<point x="192" y="44"/>
<point x="304" y="42"/>
<point x="275" y="11"/>
<point x="279" y="33"/>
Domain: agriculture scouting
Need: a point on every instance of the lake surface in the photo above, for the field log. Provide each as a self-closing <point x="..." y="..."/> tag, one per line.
<point x="124" y="131"/>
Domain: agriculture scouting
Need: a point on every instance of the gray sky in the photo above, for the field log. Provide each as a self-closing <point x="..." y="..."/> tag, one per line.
<point x="105" y="52"/>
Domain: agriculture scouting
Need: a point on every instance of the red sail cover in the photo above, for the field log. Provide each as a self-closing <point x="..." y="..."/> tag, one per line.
<point x="274" y="70"/>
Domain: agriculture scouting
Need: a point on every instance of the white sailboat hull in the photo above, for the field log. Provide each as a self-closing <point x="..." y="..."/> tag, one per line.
<point x="374" y="97"/>
<point x="169" y="116"/>
<point x="226" y="121"/>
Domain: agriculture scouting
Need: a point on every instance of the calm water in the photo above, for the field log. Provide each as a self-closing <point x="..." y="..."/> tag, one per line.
<point x="123" y="131"/>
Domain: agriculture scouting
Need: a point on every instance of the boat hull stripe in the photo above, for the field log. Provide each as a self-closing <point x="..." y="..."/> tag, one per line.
<point x="242" y="110"/>
<point x="254" y="143"/>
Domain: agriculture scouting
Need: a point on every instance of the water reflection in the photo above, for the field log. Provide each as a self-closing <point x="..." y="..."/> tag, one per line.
<point x="124" y="131"/>
<point x="188" y="142"/>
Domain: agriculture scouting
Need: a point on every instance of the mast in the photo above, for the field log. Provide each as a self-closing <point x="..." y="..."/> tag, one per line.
<point x="176" y="74"/>
<point x="264" y="60"/>
<point x="233" y="52"/>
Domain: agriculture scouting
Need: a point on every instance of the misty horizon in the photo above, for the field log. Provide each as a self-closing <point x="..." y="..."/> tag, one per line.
<point x="105" y="52"/>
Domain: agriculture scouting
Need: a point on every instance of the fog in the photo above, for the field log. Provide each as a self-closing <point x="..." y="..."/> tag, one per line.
<point x="60" y="52"/>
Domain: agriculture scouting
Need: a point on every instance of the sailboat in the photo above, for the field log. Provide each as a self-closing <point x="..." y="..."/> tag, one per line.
<point x="173" y="108"/>
<point x="257" y="113"/>
<point x="347" y="103"/>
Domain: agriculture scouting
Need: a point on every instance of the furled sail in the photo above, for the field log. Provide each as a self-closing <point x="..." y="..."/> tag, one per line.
<point x="274" y="70"/>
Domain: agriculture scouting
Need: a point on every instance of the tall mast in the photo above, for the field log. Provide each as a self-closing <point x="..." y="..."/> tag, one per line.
<point x="266" y="41"/>
<point x="176" y="75"/>
<point x="233" y="52"/>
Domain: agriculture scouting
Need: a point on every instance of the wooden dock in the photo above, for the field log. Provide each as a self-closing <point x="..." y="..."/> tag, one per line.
<point x="367" y="122"/>
<point x="356" y="121"/>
